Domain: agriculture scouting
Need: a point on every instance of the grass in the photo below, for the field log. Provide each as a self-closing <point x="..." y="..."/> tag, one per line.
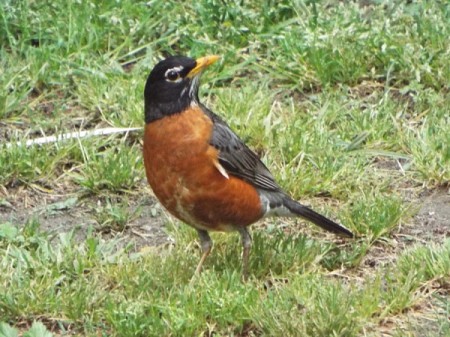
<point x="347" y="103"/>
<point x="98" y="286"/>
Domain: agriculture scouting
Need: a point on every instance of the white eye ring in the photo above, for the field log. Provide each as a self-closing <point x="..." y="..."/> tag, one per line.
<point x="173" y="74"/>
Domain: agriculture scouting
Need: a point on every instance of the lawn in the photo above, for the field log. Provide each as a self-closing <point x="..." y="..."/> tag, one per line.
<point x="348" y="104"/>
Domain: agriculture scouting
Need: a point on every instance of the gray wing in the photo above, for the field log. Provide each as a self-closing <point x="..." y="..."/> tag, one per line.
<point x="237" y="158"/>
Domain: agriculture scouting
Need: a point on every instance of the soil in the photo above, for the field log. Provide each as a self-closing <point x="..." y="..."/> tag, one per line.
<point x="431" y="225"/>
<point x="65" y="212"/>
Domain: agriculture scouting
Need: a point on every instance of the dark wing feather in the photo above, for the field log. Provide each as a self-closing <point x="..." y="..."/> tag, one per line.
<point x="237" y="159"/>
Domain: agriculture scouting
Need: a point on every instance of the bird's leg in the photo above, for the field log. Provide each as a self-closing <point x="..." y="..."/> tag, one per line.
<point x="206" y="244"/>
<point x="246" y="245"/>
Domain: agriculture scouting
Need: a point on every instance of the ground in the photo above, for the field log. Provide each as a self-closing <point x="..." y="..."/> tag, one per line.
<point x="54" y="213"/>
<point x="146" y="228"/>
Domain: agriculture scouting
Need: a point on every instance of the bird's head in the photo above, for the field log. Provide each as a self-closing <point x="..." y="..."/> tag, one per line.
<point x="172" y="85"/>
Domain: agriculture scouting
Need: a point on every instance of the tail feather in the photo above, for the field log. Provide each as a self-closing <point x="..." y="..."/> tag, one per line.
<point x="316" y="218"/>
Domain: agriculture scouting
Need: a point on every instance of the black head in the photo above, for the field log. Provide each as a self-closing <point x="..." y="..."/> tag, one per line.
<point x="172" y="85"/>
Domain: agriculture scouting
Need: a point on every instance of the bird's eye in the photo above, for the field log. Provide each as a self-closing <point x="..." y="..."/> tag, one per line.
<point x="172" y="75"/>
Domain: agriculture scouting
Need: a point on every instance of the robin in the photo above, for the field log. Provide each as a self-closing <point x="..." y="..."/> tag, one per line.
<point x="200" y="170"/>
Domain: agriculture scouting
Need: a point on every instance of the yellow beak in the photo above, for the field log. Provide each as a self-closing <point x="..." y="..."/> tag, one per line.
<point x="202" y="63"/>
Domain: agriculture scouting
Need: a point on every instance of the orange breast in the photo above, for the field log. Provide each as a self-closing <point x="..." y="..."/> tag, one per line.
<point x="179" y="164"/>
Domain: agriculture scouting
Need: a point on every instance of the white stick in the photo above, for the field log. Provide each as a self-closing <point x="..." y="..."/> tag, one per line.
<point x="70" y="135"/>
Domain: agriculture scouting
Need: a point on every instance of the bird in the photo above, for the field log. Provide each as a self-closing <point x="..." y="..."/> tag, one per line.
<point x="198" y="167"/>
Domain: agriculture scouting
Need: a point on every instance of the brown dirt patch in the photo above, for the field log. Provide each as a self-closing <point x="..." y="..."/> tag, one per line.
<point x="63" y="213"/>
<point x="431" y="225"/>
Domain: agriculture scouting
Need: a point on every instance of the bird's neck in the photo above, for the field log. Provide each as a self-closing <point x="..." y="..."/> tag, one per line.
<point x="158" y="110"/>
<point x="155" y="110"/>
